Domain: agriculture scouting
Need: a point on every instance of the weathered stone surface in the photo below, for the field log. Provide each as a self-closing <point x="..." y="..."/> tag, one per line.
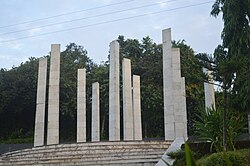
<point x="137" y="108"/>
<point x="179" y="96"/>
<point x="132" y="153"/>
<point x="53" y="100"/>
<point x="114" y="93"/>
<point x="167" y="85"/>
<point x="95" y="130"/>
<point x="81" y="106"/>
<point x="128" y="128"/>
<point x="175" y="118"/>
<point x="175" y="146"/>
<point x="209" y="90"/>
<point x="40" y="103"/>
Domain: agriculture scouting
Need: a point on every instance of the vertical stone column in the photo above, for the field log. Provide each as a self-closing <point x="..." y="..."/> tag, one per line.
<point x="53" y="103"/>
<point x="137" y="108"/>
<point x="128" y="132"/>
<point x="40" y="103"/>
<point x="179" y="99"/>
<point x="114" y="94"/>
<point x="167" y="85"/>
<point x="81" y="106"/>
<point x="209" y="91"/>
<point x="95" y="130"/>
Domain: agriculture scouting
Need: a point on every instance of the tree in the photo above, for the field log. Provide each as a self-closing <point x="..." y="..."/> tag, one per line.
<point x="236" y="38"/>
<point x="17" y="98"/>
<point x="222" y="69"/>
<point x="73" y="58"/>
<point x="146" y="60"/>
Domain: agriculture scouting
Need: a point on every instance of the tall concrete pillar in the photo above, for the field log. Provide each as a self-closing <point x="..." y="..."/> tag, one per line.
<point x="95" y="130"/>
<point x="137" y="108"/>
<point x="40" y="103"/>
<point x="128" y="132"/>
<point x="209" y="90"/>
<point x="169" y="125"/>
<point x="114" y="94"/>
<point x="81" y="106"/>
<point x="179" y="99"/>
<point x="53" y="101"/>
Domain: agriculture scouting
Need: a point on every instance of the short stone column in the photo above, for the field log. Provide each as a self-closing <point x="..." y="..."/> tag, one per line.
<point x="169" y="125"/>
<point x="81" y="106"/>
<point x="40" y="103"/>
<point x="114" y="92"/>
<point x="53" y="101"/>
<point x="137" y="108"/>
<point x="128" y="132"/>
<point x="209" y="90"/>
<point x="95" y="130"/>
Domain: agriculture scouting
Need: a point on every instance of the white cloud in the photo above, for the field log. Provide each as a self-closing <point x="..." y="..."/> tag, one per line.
<point x="104" y="1"/>
<point x="9" y="60"/>
<point x="16" y="46"/>
<point x="34" y="31"/>
<point x="156" y="27"/>
<point x="162" y="4"/>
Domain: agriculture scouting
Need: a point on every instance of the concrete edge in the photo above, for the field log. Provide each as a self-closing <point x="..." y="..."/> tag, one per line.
<point x="176" y="145"/>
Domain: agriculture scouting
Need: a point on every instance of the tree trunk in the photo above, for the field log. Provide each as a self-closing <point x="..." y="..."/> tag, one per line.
<point x="248" y="117"/>
<point x="225" y="120"/>
<point x="103" y="125"/>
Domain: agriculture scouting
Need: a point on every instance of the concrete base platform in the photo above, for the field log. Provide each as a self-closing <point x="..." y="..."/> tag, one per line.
<point x="143" y="153"/>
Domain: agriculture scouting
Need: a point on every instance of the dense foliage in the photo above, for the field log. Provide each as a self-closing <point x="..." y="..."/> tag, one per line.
<point x="237" y="157"/>
<point x="234" y="158"/>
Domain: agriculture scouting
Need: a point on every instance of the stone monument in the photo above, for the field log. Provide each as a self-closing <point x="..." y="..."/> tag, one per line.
<point x="114" y="93"/>
<point x="40" y="103"/>
<point x="53" y="100"/>
<point x="209" y="90"/>
<point x="128" y="122"/>
<point x="95" y="129"/>
<point x="175" y="120"/>
<point x="137" y="108"/>
<point x="81" y="106"/>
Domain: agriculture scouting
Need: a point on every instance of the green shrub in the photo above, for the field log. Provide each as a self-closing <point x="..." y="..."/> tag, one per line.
<point x="179" y="157"/>
<point x="209" y="127"/>
<point x="177" y="154"/>
<point x="17" y="141"/>
<point x="222" y="159"/>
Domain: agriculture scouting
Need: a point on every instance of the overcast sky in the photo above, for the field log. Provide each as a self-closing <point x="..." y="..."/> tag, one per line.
<point x="189" y="20"/>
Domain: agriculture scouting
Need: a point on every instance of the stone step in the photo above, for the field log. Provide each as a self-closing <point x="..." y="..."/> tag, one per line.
<point x="100" y="160"/>
<point x="84" y="147"/>
<point x="84" y="156"/>
<point x="87" y="153"/>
